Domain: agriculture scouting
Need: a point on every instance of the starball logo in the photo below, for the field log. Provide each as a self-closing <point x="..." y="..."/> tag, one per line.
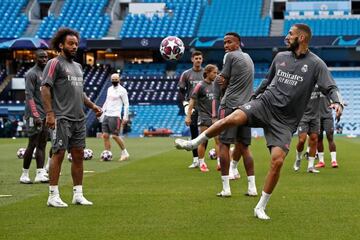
<point x="288" y="78"/>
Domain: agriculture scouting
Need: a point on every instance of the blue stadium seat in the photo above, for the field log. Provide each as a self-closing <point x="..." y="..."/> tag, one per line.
<point x="83" y="15"/>
<point x="12" y="21"/>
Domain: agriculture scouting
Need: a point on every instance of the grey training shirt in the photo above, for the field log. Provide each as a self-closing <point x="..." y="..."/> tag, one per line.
<point x="66" y="81"/>
<point x="238" y="70"/>
<point x="290" y="82"/>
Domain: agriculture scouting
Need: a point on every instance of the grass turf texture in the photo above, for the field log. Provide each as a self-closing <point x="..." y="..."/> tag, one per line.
<point x="155" y="196"/>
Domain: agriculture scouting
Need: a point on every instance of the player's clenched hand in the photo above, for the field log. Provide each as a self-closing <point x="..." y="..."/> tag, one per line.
<point x="38" y="122"/>
<point x="50" y="120"/>
<point x="338" y="110"/>
<point x="97" y="110"/>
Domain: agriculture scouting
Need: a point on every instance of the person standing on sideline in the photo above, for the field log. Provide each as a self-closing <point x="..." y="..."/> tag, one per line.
<point x="35" y="120"/>
<point x="278" y="104"/>
<point x="187" y="82"/>
<point x="309" y="125"/>
<point x="116" y="98"/>
<point x="236" y="77"/>
<point x="64" y="99"/>
<point x="327" y="125"/>
<point x="202" y="97"/>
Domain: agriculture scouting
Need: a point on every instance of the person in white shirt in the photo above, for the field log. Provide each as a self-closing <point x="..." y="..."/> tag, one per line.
<point x="116" y="99"/>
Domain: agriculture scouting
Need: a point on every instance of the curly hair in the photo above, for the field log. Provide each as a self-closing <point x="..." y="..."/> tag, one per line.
<point x="60" y="37"/>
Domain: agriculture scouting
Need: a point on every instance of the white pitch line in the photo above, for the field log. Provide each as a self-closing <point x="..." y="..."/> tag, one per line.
<point x="89" y="171"/>
<point x="5" y="195"/>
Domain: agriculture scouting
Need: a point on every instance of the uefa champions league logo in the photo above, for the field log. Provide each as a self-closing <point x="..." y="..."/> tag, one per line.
<point x="144" y="42"/>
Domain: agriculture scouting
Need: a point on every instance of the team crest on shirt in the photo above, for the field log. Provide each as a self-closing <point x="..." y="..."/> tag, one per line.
<point x="247" y="107"/>
<point x="304" y="68"/>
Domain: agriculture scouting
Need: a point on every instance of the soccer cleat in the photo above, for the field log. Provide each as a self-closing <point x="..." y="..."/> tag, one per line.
<point x="25" y="179"/>
<point x="204" y="168"/>
<point x="320" y="165"/>
<point x="184" y="144"/>
<point x="312" y="170"/>
<point x="224" y="193"/>
<point x="194" y="165"/>
<point x="297" y="165"/>
<point x="260" y="214"/>
<point x="79" y="199"/>
<point x="251" y="192"/>
<point x="55" y="201"/>
<point x="124" y="157"/>
<point x="334" y="164"/>
<point x="41" y="177"/>
<point x="234" y="174"/>
<point x="218" y="167"/>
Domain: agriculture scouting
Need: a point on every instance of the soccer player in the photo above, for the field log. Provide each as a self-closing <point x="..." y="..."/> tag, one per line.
<point x="116" y="98"/>
<point x="309" y="125"/>
<point x="202" y="96"/>
<point x="236" y="77"/>
<point x="35" y="120"/>
<point x="327" y="125"/>
<point x="187" y="82"/>
<point x="64" y="100"/>
<point x="279" y="104"/>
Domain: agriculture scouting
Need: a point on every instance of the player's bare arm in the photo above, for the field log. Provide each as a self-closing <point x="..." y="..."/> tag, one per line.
<point x="46" y="99"/>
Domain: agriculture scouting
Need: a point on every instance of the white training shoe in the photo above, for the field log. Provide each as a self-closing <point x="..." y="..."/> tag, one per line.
<point x="260" y="214"/>
<point x="184" y="144"/>
<point x="25" y="179"/>
<point x="55" y="201"/>
<point x="194" y="165"/>
<point x="297" y="165"/>
<point x="224" y="193"/>
<point x="234" y="174"/>
<point x="312" y="170"/>
<point x="124" y="157"/>
<point x="79" y="199"/>
<point x="41" y="177"/>
<point x="252" y="192"/>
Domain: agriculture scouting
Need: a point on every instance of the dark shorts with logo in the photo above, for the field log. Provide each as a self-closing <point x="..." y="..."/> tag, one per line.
<point x="309" y="126"/>
<point x="327" y="125"/>
<point x="239" y="134"/>
<point x="276" y="133"/>
<point x="111" y="125"/>
<point x="68" y="134"/>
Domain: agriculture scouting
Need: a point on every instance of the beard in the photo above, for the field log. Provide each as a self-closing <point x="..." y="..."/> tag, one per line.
<point x="294" y="46"/>
<point x="68" y="54"/>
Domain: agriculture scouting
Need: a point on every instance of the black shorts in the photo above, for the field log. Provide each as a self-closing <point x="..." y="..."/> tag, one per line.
<point x="239" y="134"/>
<point x="68" y="134"/>
<point x="309" y="126"/>
<point x="277" y="134"/>
<point x="111" y="125"/>
<point x="327" y="125"/>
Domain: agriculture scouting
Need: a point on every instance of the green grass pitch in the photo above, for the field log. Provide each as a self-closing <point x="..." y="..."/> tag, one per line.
<point x="155" y="196"/>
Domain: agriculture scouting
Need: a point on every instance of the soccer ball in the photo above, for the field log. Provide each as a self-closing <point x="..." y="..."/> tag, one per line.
<point x="20" y="153"/>
<point x="106" y="155"/>
<point x="69" y="157"/>
<point x="88" y="154"/>
<point x="34" y="154"/>
<point x="212" y="153"/>
<point x="172" y="48"/>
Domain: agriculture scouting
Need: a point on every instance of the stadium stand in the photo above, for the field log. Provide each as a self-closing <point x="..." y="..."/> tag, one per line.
<point x="83" y="15"/>
<point x="12" y="21"/>
<point x="180" y="19"/>
<point x="242" y="16"/>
